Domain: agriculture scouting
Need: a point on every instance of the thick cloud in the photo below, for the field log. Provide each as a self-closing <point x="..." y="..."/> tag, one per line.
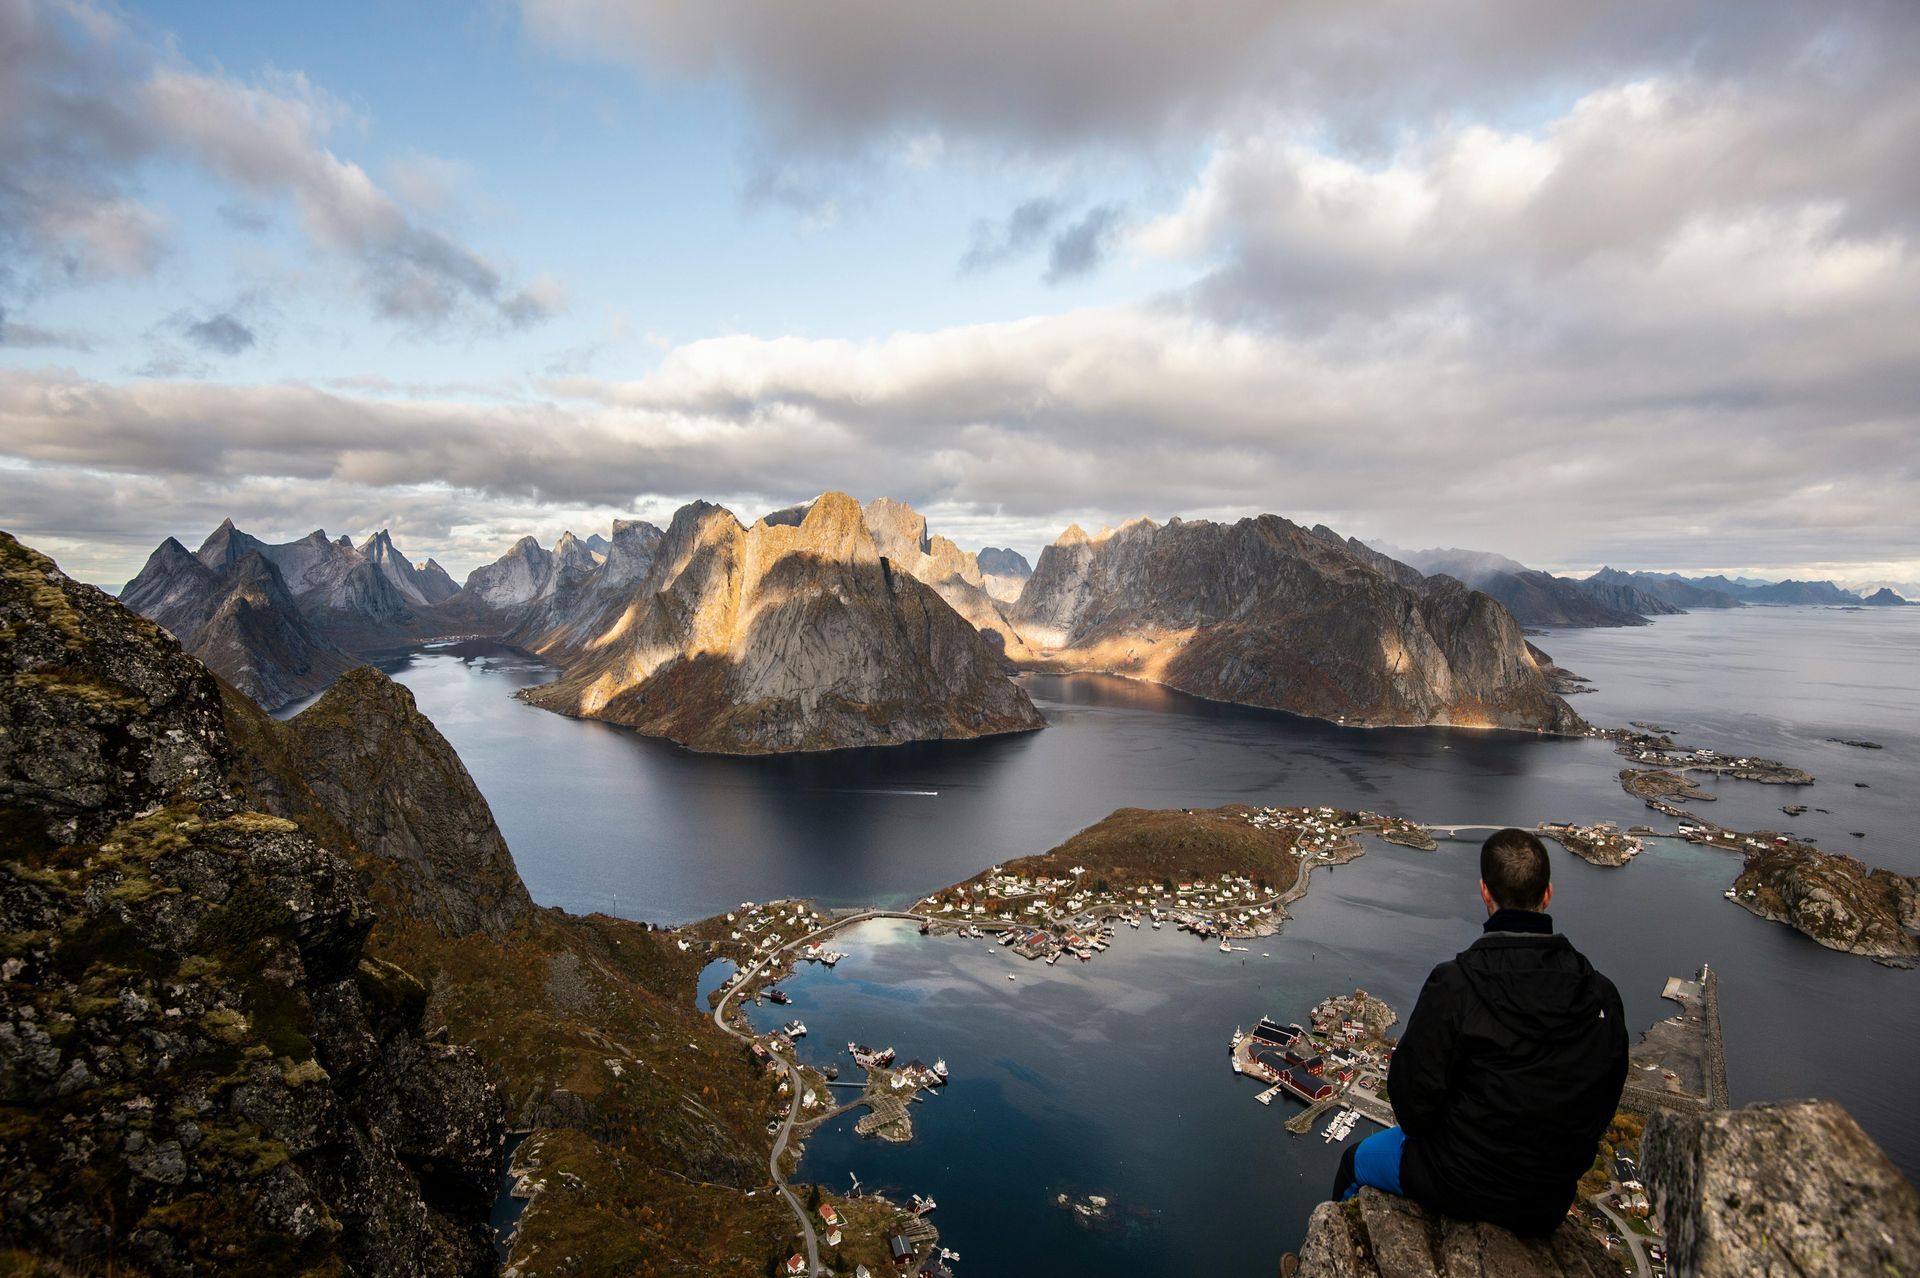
<point x="83" y="107"/>
<point x="1044" y="77"/>
<point x="1428" y="430"/>
<point x="1632" y="187"/>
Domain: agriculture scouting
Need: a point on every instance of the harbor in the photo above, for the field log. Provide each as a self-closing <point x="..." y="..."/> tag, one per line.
<point x="1337" y="1062"/>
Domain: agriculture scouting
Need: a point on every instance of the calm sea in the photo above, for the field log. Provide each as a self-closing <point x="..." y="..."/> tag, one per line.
<point x="1111" y="1078"/>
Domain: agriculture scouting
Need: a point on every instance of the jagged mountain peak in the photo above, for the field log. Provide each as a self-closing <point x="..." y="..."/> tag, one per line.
<point x="784" y="636"/>
<point x="834" y="528"/>
<point x="1072" y="535"/>
<point x="898" y="529"/>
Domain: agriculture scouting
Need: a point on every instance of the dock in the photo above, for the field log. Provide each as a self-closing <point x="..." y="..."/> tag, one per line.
<point x="1303" y="1122"/>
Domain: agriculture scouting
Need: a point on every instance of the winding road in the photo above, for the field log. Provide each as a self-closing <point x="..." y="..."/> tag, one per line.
<point x="814" y="1269"/>
<point x="1633" y="1240"/>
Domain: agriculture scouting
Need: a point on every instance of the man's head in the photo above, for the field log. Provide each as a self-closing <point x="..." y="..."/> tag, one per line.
<point x="1514" y="874"/>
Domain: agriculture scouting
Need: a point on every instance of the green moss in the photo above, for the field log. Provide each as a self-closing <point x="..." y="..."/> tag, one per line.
<point x="248" y="916"/>
<point x="80" y="686"/>
<point x="27" y="571"/>
<point x="255" y="821"/>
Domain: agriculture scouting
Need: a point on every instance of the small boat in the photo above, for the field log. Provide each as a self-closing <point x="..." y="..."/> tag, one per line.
<point x="1156" y="925"/>
<point x="940" y="1068"/>
<point x="795" y="1029"/>
<point x="1009" y="976"/>
<point x="1225" y="948"/>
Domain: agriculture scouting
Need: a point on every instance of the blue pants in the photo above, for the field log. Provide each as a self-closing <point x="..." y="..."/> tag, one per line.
<point x="1374" y="1161"/>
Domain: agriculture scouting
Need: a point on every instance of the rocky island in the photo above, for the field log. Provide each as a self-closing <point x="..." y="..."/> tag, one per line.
<point x="1837" y="900"/>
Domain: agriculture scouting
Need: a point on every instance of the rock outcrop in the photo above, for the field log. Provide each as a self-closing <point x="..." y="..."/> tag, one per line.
<point x="239" y="617"/>
<point x="201" y="1069"/>
<point x="1786" y="1189"/>
<point x="1264" y="613"/>
<point x="784" y="636"/>
<point x="1377" y="1235"/>
<point x="901" y="535"/>
<point x="1834" y="899"/>
<point x="402" y="795"/>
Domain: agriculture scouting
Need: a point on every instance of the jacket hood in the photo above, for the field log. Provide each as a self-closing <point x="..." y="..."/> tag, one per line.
<point x="1538" y="987"/>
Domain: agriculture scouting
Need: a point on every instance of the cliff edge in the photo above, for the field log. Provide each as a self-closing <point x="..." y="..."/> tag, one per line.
<point x="1794" y="1188"/>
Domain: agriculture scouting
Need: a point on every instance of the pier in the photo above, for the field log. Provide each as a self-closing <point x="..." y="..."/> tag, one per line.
<point x="1302" y="1123"/>
<point x="1680" y="1063"/>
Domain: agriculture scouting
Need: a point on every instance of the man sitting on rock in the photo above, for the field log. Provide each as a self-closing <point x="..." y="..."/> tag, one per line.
<point x="1510" y="1068"/>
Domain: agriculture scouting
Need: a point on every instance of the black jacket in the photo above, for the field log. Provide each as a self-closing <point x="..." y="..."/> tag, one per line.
<point x="1507" y="1076"/>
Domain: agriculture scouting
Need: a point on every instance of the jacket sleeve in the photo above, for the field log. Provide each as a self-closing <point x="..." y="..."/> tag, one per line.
<point x="1417" y="1082"/>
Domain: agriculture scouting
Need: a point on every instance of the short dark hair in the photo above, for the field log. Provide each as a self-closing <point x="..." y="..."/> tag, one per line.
<point x="1513" y="865"/>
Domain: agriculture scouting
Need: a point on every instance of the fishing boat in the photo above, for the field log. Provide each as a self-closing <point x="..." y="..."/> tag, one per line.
<point x="940" y="1069"/>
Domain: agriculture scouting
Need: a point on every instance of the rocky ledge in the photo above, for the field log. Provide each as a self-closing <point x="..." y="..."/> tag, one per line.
<point x="1787" y="1189"/>
<point x="1795" y="1188"/>
<point x="1380" y="1236"/>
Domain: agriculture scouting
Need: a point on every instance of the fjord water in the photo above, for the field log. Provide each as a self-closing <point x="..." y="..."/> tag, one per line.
<point x="1111" y="1078"/>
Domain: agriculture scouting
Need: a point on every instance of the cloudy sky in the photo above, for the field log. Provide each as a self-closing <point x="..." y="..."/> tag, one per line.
<point x="1631" y="283"/>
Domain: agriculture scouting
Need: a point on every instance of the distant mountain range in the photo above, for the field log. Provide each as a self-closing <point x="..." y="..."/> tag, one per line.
<point x="830" y="624"/>
<point x="1613" y="598"/>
